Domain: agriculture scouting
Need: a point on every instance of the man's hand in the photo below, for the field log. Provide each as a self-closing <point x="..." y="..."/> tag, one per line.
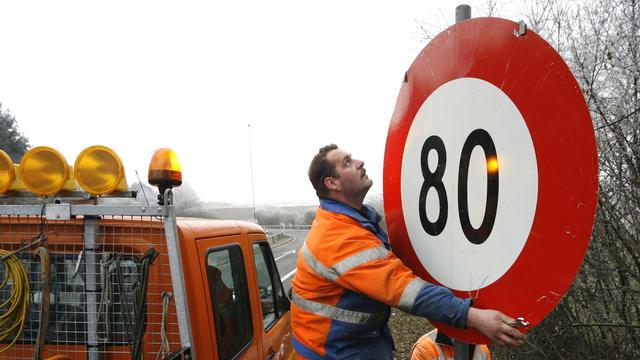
<point x="495" y="326"/>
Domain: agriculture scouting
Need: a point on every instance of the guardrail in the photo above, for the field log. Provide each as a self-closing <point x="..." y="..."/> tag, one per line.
<point x="286" y="227"/>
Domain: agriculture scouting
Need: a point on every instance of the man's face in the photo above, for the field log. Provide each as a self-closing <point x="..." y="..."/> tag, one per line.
<point x="352" y="178"/>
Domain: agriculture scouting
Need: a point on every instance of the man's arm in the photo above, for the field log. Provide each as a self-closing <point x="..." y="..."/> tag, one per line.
<point x="385" y="278"/>
<point x="368" y="268"/>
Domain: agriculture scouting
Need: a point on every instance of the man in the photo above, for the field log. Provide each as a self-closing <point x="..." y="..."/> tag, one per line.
<point x="347" y="277"/>
<point x="437" y="346"/>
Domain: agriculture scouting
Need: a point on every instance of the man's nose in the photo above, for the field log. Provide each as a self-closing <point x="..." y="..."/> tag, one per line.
<point x="360" y="163"/>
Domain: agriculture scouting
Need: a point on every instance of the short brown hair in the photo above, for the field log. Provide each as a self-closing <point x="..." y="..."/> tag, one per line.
<point x="321" y="168"/>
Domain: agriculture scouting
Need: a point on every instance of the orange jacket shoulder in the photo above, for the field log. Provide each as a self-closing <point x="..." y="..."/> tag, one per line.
<point x="335" y="237"/>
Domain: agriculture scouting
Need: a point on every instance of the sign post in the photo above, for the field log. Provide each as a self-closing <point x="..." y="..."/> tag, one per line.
<point x="491" y="171"/>
<point x="462" y="350"/>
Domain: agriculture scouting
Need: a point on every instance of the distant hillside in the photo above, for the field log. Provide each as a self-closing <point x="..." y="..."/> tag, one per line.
<point x="269" y="215"/>
<point x="246" y="213"/>
<point x="217" y="205"/>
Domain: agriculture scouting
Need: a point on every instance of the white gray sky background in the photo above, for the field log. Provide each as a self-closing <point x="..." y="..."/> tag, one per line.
<point x="138" y="75"/>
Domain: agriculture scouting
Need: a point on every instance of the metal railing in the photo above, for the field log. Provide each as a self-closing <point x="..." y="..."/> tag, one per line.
<point x="286" y="227"/>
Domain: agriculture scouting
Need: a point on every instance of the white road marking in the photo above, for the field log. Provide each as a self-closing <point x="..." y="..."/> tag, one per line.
<point x="284" y="278"/>
<point x="285" y="254"/>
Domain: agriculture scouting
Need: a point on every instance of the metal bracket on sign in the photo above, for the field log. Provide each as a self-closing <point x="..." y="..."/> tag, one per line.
<point x="521" y="30"/>
<point x="58" y="211"/>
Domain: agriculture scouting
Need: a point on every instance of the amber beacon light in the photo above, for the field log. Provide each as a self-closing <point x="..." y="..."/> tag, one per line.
<point x="7" y="172"/>
<point x="44" y="171"/>
<point x="164" y="170"/>
<point x="98" y="170"/>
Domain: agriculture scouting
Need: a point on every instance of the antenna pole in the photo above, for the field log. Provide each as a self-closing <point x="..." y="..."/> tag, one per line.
<point x="253" y="195"/>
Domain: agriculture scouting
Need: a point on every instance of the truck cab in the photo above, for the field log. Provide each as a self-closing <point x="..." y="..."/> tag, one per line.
<point x="235" y="282"/>
<point x="93" y="279"/>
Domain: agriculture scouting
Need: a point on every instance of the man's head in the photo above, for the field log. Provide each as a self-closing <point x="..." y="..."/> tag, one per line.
<point x="336" y="175"/>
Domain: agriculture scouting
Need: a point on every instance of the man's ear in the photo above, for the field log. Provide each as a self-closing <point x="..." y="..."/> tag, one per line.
<point x="332" y="183"/>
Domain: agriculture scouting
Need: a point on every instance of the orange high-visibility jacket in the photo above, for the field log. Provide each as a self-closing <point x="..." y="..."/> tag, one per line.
<point x="347" y="278"/>
<point x="428" y="348"/>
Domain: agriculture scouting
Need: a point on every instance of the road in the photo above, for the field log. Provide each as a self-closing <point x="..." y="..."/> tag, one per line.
<point x="286" y="255"/>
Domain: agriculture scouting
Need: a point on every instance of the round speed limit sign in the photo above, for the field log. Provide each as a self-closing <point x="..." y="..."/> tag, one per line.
<point x="490" y="173"/>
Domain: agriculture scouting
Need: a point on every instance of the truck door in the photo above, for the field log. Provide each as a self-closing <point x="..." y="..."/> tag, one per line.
<point x="276" y="337"/>
<point x="225" y="273"/>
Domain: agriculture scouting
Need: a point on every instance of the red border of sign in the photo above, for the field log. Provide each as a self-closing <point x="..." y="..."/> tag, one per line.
<point x="540" y="84"/>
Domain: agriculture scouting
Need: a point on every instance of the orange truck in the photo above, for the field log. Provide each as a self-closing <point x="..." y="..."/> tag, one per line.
<point x="87" y="277"/>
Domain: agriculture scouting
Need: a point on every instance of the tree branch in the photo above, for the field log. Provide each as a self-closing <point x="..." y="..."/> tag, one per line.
<point x="633" y="326"/>
<point x="619" y="120"/>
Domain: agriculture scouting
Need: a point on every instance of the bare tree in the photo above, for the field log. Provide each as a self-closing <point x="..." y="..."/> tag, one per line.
<point x="308" y="217"/>
<point x="186" y="200"/>
<point x="599" y="317"/>
<point x="272" y="215"/>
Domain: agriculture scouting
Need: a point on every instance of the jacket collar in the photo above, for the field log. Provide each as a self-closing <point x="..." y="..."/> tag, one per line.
<point x="368" y="217"/>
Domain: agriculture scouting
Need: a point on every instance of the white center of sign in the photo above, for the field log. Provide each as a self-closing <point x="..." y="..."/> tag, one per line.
<point x="468" y="126"/>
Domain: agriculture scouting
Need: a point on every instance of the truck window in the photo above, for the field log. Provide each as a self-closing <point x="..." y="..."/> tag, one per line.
<point x="272" y="298"/>
<point x="230" y="300"/>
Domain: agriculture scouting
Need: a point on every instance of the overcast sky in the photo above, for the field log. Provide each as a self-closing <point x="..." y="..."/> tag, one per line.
<point x="136" y="76"/>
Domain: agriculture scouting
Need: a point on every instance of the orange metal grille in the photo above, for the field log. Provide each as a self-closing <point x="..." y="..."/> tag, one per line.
<point x="70" y="332"/>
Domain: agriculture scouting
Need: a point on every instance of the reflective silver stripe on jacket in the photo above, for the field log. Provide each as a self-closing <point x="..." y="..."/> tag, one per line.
<point x="345" y="265"/>
<point x="360" y="258"/>
<point x="410" y="293"/>
<point x="332" y="312"/>
<point x="316" y="265"/>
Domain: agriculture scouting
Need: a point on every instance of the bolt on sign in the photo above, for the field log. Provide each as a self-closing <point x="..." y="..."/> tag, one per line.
<point x="491" y="170"/>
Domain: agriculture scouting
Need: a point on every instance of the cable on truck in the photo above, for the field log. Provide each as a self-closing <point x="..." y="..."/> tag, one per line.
<point x="104" y="309"/>
<point x="16" y="307"/>
<point x="136" y="323"/>
<point x="164" y="341"/>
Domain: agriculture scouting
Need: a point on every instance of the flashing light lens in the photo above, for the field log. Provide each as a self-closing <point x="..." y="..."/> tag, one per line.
<point x="492" y="165"/>
<point x="44" y="171"/>
<point x="98" y="170"/>
<point x="164" y="169"/>
<point x="7" y="172"/>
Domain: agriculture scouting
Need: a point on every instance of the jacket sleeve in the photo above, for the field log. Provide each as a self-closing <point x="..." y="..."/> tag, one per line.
<point x="372" y="270"/>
